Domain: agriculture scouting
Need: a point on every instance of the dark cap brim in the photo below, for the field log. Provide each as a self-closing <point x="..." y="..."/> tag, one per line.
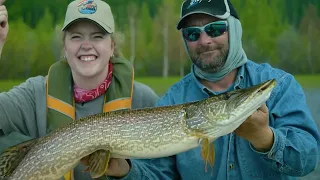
<point x="180" y="23"/>
<point x="220" y="9"/>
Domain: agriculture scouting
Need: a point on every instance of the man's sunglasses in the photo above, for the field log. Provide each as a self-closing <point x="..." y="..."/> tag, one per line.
<point x="213" y="30"/>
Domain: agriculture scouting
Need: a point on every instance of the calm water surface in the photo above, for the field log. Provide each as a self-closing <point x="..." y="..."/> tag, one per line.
<point x="313" y="101"/>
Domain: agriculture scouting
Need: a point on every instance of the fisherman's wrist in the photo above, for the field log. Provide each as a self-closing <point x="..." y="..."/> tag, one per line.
<point x="264" y="140"/>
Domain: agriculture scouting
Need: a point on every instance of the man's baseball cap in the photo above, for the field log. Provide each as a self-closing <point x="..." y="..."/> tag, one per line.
<point x="97" y="11"/>
<point x="221" y="9"/>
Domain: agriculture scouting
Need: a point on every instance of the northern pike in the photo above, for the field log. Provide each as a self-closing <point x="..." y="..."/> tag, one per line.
<point x="152" y="132"/>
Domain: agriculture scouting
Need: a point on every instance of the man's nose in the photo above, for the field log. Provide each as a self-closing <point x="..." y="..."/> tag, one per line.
<point x="205" y="38"/>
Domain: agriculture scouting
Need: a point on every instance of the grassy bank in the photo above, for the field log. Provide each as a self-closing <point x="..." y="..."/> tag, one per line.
<point x="309" y="81"/>
<point x="160" y="85"/>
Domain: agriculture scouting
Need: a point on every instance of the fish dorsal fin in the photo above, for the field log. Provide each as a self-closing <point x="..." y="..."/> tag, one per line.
<point x="11" y="157"/>
<point x="207" y="152"/>
<point x="98" y="163"/>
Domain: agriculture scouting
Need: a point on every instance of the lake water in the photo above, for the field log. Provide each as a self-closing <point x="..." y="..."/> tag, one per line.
<point x="313" y="101"/>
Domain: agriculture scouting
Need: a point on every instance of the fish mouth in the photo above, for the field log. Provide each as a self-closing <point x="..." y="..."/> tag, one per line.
<point x="265" y="88"/>
<point x="259" y="93"/>
<point x="268" y="84"/>
<point x="248" y="102"/>
<point x="255" y="92"/>
<point x="261" y="88"/>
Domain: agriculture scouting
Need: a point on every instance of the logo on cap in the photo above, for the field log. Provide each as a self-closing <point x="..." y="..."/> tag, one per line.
<point x="195" y="2"/>
<point x="87" y="7"/>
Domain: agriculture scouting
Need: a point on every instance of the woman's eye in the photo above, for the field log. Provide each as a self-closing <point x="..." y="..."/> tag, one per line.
<point x="75" y="37"/>
<point x="98" y="37"/>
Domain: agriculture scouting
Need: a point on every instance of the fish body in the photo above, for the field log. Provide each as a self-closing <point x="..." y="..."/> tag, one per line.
<point x="137" y="134"/>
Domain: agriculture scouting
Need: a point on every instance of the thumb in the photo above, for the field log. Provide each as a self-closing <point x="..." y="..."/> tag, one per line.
<point x="264" y="108"/>
<point x="3" y="20"/>
<point x="2" y="1"/>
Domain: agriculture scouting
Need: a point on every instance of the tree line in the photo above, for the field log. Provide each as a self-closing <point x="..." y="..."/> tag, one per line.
<point x="284" y="33"/>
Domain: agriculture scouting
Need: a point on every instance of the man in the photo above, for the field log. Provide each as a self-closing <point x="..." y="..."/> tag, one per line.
<point x="279" y="141"/>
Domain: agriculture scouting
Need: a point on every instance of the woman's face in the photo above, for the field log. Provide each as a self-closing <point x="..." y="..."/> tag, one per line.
<point x="88" y="49"/>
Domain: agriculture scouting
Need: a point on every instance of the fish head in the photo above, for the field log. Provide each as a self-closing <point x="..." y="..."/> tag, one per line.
<point x="223" y="113"/>
<point x="243" y="102"/>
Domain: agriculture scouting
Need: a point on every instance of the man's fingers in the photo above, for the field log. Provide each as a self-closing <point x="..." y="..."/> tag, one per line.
<point x="264" y="108"/>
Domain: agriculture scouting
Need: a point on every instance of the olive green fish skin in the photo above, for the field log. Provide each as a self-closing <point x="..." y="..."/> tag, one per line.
<point x="141" y="133"/>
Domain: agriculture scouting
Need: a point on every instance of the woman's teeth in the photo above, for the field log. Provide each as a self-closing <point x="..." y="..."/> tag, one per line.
<point x="87" y="58"/>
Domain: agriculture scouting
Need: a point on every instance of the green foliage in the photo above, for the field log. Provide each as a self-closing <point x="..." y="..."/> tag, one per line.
<point x="43" y="57"/>
<point x="309" y="81"/>
<point x="260" y="30"/>
<point x="17" y="51"/>
<point x="284" y="33"/>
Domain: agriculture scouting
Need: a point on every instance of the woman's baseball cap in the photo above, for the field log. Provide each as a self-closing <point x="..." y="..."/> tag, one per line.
<point x="97" y="11"/>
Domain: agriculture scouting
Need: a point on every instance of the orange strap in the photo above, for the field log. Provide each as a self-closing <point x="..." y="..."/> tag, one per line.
<point x="68" y="175"/>
<point x="60" y="106"/>
<point x="117" y="104"/>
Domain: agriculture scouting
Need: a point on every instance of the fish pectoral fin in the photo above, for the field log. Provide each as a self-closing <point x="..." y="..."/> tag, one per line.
<point x="98" y="163"/>
<point x="11" y="157"/>
<point x="207" y="152"/>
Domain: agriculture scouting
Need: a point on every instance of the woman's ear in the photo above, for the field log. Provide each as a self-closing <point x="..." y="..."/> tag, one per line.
<point x="64" y="51"/>
<point x="113" y="45"/>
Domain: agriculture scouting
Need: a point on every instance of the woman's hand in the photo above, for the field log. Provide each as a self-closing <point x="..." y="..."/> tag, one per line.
<point x="116" y="168"/>
<point x="4" y="25"/>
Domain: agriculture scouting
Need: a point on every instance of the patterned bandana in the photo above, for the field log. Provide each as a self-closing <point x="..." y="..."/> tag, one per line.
<point x="81" y="95"/>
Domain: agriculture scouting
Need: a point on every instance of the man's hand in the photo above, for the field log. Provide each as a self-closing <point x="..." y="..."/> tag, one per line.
<point x="117" y="167"/>
<point x="4" y="25"/>
<point x="256" y="130"/>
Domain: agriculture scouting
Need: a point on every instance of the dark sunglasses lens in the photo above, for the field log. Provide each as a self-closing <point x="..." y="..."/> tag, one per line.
<point x="191" y="34"/>
<point x="215" y="30"/>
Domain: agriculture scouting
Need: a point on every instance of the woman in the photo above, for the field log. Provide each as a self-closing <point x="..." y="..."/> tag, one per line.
<point x="93" y="78"/>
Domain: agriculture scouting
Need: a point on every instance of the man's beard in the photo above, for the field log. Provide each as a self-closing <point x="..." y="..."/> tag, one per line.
<point x="212" y="65"/>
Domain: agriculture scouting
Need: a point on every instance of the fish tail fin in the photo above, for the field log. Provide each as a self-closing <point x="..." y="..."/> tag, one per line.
<point x="11" y="157"/>
<point x="207" y="153"/>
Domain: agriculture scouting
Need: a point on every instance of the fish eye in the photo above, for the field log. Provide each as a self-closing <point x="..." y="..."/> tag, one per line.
<point x="227" y="95"/>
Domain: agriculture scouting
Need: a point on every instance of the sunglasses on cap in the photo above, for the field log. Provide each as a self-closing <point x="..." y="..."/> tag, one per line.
<point x="213" y="29"/>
